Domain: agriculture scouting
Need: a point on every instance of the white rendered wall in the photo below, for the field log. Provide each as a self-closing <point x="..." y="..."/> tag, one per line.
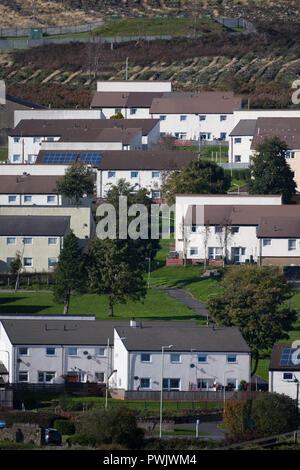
<point x="215" y="368"/>
<point x="243" y="149"/>
<point x="134" y="86"/>
<point x="121" y="358"/>
<point x="278" y="385"/>
<point x="7" y="353"/>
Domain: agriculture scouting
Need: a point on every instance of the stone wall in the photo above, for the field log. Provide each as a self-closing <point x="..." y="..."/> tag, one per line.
<point x="22" y="433"/>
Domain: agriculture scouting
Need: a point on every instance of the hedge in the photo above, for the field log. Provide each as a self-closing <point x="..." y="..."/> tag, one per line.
<point x="65" y="427"/>
<point x="43" y="419"/>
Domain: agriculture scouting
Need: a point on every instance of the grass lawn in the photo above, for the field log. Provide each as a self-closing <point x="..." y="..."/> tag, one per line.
<point x="3" y="154"/>
<point x="156" y="306"/>
<point x="158" y="27"/>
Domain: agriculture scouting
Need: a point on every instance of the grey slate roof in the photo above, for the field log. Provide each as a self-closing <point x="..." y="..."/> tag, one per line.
<point x="208" y="339"/>
<point x="70" y="332"/>
<point x="244" y="127"/>
<point x="33" y="225"/>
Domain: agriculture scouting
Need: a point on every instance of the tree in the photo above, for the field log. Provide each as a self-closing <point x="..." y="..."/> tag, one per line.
<point x="118" y="115"/>
<point x="274" y="413"/>
<point x="70" y="274"/>
<point x="77" y="182"/>
<point x="270" y="173"/>
<point x="198" y="177"/>
<point x="116" y="271"/>
<point x="254" y="300"/>
<point x="114" y="426"/>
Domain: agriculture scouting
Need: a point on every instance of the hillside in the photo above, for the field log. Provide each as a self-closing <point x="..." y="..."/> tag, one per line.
<point x="57" y="12"/>
<point x="260" y="66"/>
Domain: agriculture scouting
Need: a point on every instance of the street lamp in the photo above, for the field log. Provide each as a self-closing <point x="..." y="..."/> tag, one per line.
<point x="161" y="385"/>
<point x="149" y="267"/>
<point x="234" y="184"/>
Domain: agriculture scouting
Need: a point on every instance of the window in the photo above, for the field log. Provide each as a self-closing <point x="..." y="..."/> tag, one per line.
<point x="145" y="357"/>
<point x="193" y="251"/>
<point x="36" y="140"/>
<point x="237" y="158"/>
<point x="11" y="240"/>
<point x="215" y="252"/>
<point x="27" y="198"/>
<point x="50" y="351"/>
<point x="23" y="351"/>
<point x="100" y="351"/>
<point x="171" y="384"/>
<point x="180" y="135"/>
<point x="16" y="158"/>
<point x="111" y="174"/>
<point x="52" y="262"/>
<point x="202" y="117"/>
<point x="289" y="154"/>
<point x="194" y="228"/>
<point x="223" y="117"/>
<point x="205" y="384"/>
<point x="231" y="383"/>
<point x="49" y="139"/>
<point x="52" y="241"/>
<point x="287" y="376"/>
<point x="12" y="199"/>
<point x="134" y="174"/>
<point x="155" y="174"/>
<point x="132" y="110"/>
<point x="51" y="199"/>
<point x="27" y="262"/>
<point x="237" y="140"/>
<point x="218" y="229"/>
<point x="231" y="358"/>
<point x="266" y="242"/>
<point x="23" y="376"/>
<point x="155" y="194"/>
<point x="117" y="110"/>
<point x="183" y="118"/>
<point x="292" y="245"/>
<point x="175" y="357"/>
<point x="16" y="140"/>
<point x="202" y="358"/>
<point x="223" y="135"/>
<point x="46" y="377"/>
<point x="99" y="377"/>
<point x="9" y="261"/>
<point x="235" y="229"/>
<point x="72" y="351"/>
<point x="31" y="158"/>
<point x="27" y="241"/>
<point x="145" y="383"/>
<point x="162" y="118"/>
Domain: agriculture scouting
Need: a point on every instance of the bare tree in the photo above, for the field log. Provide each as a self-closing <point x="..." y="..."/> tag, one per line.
<point x="224" y="236"/>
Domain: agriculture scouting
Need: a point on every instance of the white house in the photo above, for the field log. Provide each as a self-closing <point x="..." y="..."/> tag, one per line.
<point x="237" y="228"/>
<point x="284" y="370"/>
<point x="32" y="135"/>
<point x="128" y="355"/>
<point x="192" y="358"/>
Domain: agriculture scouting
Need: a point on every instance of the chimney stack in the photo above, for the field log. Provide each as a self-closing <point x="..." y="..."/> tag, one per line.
<point x="133" y="322"/>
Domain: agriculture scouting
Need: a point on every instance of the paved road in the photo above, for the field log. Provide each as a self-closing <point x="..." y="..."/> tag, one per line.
<point x="186" y="298"/>
<point x="211" y="429"/>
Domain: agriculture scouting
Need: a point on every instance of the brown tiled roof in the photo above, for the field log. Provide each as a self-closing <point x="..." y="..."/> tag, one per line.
<point x="205" y="103"/>
<point x="107" y="99"/>
<point x="240" y="214"/>
<point x="287" y="129"/>
<point x="137" y="159"/>
<point x="276" y="357"/>
<point x="28" y="184"/>
<point x="280" y="226"/>
<point x="60" y="127"/>
<point x="103" y="135"/>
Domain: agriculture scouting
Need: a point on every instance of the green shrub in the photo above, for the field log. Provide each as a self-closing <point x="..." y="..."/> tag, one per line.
<point x="274" y="413"/>
<point x="237" y="416"/>
<point x="65" y="427"/>
<point x="81" y="439"/>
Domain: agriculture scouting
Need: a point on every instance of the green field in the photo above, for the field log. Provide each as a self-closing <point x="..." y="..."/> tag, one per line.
<point x="159" y="27"/>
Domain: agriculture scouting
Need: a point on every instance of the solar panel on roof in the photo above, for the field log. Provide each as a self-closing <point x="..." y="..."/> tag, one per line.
<point x="290" y="357"/>
<point x="91" y="158"/>
<point x="55" y="157"/>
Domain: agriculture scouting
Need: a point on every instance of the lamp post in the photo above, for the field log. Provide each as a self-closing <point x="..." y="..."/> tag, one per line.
<point x="224" y="392"/>
<point x="234" y="184"/>
<point x="161" y="385"/>
<point x="149" y="267"/>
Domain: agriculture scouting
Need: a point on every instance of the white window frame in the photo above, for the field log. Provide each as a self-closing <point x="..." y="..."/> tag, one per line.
<point x="267" y="242"/>
<point x="28" y="238"/>
<point x="149" y="383"/>
<point x="29" y="197"/>
<point x="48" y="353"/>
<point x="111" y="174"/>
<point x="174" y="361"/>
<point x="285" y="378"/>
<point x="51" y="196"/>
<point x="223" y="117"/>
<point x="52" y="238"/>
<point x="292" y="244"/>
<point x="12" y="199"/>
<point x="204" y="356"/>
<point x="194" y="251"/>
<point x="169" y="388"/>
<point x="237" y="158"/>
<point x="146" y="361"/>
<point x="133" y="175"/>
<point x="23" y="354"/>
<point x="72" y="348"/>
<point x="52" y="263"/>
<point x="25" y="372"/>
<point x="183" y="117"/>
<point x="228" y="358"/>
<point x="11" y="238"/>
<point x="237" y="140"/>
<point x="16" y="157"/>
<point x="51" y="374"/>
<point x="155" y="174"/>
<point x="27" y="265"/>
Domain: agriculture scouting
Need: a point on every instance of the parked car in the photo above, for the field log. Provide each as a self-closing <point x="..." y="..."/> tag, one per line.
<point x="52" y="437"/>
